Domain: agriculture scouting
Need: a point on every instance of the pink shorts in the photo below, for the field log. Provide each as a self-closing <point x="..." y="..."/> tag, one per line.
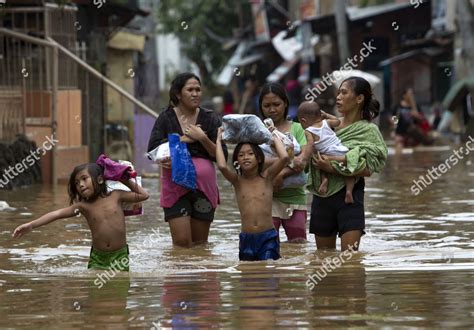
<point x="295" y="227"/>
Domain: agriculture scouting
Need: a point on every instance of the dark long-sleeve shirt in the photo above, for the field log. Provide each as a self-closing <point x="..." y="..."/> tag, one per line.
<point x="168" y="123"/>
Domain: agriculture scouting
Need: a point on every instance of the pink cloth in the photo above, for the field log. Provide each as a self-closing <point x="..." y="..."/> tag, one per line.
<point x="113" y="170"/>
<point x="295" y="227"/>
<point x="206" y="178"/>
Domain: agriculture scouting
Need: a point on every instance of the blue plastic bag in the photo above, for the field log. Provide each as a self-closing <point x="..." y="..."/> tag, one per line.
<point x="183" y="171"/>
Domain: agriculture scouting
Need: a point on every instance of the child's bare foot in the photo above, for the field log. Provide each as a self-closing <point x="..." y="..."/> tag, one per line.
<point x="349" y="199"/>
<point x="323" y="188"/>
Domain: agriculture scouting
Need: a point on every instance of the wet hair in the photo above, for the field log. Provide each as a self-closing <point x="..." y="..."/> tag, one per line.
<point x="256" y="150"/>
<point x="177" y="85"/>
<point x="276" y="89"/>
<point x="370" y="107"/>
<point x="309" y="110"/>
<point x="94" y="170"/>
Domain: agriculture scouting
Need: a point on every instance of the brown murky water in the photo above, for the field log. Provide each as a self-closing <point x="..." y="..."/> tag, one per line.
<point x="415" y="268"/>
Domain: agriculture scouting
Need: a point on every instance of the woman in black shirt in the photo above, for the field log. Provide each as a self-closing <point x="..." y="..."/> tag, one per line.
<point x="189" y="213"/>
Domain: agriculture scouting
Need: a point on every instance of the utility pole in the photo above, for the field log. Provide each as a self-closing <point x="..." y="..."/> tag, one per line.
<point x="464" y="62"/>
<point x="465" y="14"/>
<point x="341" y="25"/>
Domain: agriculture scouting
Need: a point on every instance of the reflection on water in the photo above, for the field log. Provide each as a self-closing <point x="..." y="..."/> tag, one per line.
<point x="415" y="268"/>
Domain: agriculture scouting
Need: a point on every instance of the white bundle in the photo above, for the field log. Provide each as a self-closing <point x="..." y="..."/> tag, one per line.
<point x="289" y="141"/>
<point x="160" y="153"/>
<point x="293" y="148"/>
<point x="129" y="209"/>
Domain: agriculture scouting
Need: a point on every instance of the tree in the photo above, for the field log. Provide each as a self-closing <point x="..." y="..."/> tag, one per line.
<point x="202" y="27"/>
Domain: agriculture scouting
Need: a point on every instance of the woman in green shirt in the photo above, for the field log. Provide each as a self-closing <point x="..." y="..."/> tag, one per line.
<point x="330" y="215"/>
<point x="289" y="204"/>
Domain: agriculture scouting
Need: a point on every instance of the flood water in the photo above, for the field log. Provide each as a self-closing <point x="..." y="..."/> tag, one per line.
<point x="415" y="267"/>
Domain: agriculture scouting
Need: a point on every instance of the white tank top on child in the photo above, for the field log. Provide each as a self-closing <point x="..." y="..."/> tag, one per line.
<point x="329" y="143"/>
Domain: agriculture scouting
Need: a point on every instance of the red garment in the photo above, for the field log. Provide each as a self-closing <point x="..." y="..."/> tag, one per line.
<point x="115" y="171"/>
<point x="228" y="108"/>
<point x="424" y="125"/>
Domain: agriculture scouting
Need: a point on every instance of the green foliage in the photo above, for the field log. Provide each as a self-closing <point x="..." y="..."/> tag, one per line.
<point x="189" y="20"/>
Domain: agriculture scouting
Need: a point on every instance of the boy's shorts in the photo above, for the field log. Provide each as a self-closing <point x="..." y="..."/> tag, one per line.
<point x="260" y="246"/>
<point x="331" y="215"/>
<point x="117" y="260"/>
<point x="194" y="204"/>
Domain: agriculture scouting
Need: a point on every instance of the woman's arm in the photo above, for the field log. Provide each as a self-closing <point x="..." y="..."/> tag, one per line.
<point x="63" y="213"/>
<point x="158" y="136"/>
<point x="365" y="172"/>
<point x="158" y="133"/>
<point x="278" y="180"/>
<point x="301" y="161"/>
<point x="196" y="133"/>
<point x="324" y="164"/>
<point x="340" y="159"/>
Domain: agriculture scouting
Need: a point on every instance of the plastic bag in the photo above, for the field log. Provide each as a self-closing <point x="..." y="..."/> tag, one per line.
<point x="292" y="148"/>
<point x="289" y="141"/>
<point x="295" y="181"/>
<point x="160" y="153"/>
<point x="245" y="128"/>
<point x="183" y="171"/>
<point x="291" y="144"/>
<point x="129" y="209"/>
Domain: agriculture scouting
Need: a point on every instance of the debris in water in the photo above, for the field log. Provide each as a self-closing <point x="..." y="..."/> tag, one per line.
<point x="5" y="207"/>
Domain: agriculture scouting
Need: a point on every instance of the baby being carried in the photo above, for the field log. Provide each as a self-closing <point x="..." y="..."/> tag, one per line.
<point x="321" y="138"/>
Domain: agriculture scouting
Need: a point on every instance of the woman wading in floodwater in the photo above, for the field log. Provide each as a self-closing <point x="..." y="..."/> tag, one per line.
<point x="288" y="204"/>
<point x="189" y="213"/>
<point x="330" y="215"/>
